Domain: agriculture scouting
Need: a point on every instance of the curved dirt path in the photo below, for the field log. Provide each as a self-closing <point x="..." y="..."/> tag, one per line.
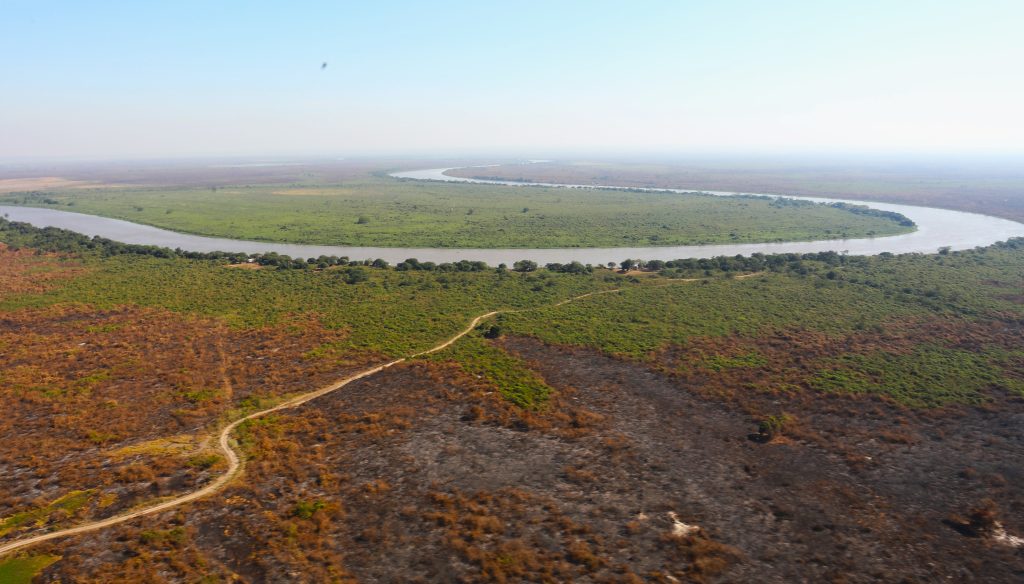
<point x="235" y="463"/>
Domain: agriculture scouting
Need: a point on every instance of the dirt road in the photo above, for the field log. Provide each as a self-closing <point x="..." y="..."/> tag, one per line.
<point x="235" y="463"/>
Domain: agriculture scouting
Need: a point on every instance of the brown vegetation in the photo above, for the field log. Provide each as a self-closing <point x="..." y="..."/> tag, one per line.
<point x="42" y="183"/>
<point x="123" y="401"/>
<point x="27" y="271"/>
<point x="422" y="473"/>
<point x="629" y="472"/>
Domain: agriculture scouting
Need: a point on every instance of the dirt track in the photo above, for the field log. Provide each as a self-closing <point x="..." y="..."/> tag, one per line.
<point x="235" y="463"/>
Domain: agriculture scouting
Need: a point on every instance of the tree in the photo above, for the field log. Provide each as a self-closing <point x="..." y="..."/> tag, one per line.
<point x="524" y="266"/>
<point x="627" y="265"/>
<point x="356" y="275"/>
<point x="570" y="268"/>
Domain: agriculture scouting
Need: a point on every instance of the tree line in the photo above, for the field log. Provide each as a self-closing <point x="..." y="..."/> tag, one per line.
<point x="18" y="234"/>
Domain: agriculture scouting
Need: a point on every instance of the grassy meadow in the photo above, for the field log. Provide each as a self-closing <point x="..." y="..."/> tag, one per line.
<point x="381" y="211"/>
<point x="23" y="569"/>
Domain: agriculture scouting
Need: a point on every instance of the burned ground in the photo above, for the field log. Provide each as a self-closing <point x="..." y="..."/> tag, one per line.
<point x="422" y="473"/>
<point x="120" y="404"/>
<point x="850" y="432"/>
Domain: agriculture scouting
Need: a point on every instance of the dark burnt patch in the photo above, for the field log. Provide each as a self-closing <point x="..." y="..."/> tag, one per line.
<point x="422" y="473"/>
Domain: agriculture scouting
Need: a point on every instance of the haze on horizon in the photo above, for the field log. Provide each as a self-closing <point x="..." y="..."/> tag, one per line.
<point x="128" y="80"/>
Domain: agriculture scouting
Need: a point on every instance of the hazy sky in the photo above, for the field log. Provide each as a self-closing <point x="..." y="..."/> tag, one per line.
<point x="113" y="79"/>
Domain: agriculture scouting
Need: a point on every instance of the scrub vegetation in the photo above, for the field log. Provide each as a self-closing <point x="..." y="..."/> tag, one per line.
<point x="119" y="362"/>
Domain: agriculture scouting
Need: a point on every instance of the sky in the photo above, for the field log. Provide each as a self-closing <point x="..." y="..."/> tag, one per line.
<point x="99" y="79"/>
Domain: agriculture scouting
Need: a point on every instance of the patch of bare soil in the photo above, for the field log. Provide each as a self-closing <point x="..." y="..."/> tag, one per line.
<point x="422" y="474"/>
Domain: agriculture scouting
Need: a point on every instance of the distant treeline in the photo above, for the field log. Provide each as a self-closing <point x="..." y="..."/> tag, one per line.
<point x="868" y="211"/>
<point x="781" y="202"/>
<point x="899" y="218"/>
<point x="504" y="179"/>
<point x="17" y="235"/>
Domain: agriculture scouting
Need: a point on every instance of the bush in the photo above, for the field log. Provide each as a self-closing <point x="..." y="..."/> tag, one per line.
<point x="773" y="426"/>
<point x="306" y="509"/>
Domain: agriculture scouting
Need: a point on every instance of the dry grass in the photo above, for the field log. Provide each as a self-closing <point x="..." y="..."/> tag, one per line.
<point x="42" y="183"/>
<point x="28" y="272"/>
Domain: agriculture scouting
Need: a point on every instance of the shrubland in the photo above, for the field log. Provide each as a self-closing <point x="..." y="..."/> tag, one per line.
<point x="118" y="361"/>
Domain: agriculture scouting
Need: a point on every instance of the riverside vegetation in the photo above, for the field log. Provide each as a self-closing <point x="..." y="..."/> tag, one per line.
<point x="118" y="360"/>
<point x="989" y="189"/>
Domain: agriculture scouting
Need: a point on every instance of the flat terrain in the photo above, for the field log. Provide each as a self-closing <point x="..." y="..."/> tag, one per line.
<point x="965" y="185"/>
<point x="350" y="205"/>
<point x="44" y="183"/>
<point x="825" y="418"/>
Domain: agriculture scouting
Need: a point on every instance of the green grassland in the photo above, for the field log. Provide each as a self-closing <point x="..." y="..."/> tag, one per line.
<point x="993" y="189"/>
<point x="517" y="383"/>
<point x="379" y="211"/>
<point x="22" y="570"/>
<point x="67" y="504"/>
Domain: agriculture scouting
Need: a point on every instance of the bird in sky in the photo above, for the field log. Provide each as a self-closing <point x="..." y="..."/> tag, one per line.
<point x="324" y="66"/>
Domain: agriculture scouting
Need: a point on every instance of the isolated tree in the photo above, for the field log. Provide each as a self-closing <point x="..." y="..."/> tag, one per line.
<point x="524" y="266"/>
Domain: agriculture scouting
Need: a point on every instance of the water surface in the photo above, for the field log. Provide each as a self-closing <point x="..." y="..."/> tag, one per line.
<point x="935" y="228"/>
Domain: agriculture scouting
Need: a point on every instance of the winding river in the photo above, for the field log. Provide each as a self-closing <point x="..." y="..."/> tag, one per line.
<point x="935" y="228"/>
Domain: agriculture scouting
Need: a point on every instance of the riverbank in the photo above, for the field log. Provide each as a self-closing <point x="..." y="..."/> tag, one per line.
<point x="936" y="228"/>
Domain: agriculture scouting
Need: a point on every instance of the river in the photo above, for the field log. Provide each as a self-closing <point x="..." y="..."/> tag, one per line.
<point x="935" y="228"/>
